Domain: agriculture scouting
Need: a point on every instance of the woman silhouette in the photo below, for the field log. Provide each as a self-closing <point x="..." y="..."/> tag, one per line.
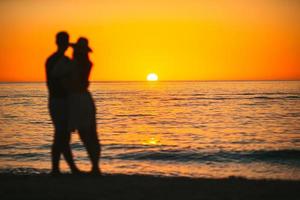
<point x="82" y="107"/>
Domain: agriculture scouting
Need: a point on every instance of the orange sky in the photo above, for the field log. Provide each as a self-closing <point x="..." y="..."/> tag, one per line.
<point x="177" y="39"/>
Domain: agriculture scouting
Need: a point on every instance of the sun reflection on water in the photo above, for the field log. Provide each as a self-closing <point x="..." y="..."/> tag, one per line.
<point x="151" y="141"/>
<point x="213" y="129"/>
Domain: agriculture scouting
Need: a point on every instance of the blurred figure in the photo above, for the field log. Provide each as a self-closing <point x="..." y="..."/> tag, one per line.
<point x="58" y="106"/>
<point x="82" y="110"/>
<point x="82" y="106"/>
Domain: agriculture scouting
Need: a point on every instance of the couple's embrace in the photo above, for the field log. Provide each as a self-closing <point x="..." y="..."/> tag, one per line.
<point x="70" y="103"/>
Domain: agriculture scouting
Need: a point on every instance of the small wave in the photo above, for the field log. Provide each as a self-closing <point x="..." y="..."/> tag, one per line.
<point x="24" y="171"/>
<point x="263" y="97"/>
<point x="279" y="156"/>
<point x="177" y="99"/>
<point x="6" y="146"/>
<point x="122" y="146"/>
<point x="113" y="146"/>
<point x="280" y="97"/>
<point x="285" y="154"/>
<point x="260" y="94"/>
<point x="233" y="97"/>
<point x="292" y="97"/>
<point x="134" y="115"/>
<point x="198" y="94"/>
<point x="24" y="156"/>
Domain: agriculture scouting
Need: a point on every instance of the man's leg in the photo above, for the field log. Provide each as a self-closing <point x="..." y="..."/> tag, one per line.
<point x="62" y="137"/>
<point x="54" y="106"/>
<point x="55" y="154"/>
<point x="67" y="152"/>
<point x="66" y="136"/>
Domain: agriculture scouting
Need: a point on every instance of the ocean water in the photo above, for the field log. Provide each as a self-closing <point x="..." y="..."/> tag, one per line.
<point x="194" y="129"/>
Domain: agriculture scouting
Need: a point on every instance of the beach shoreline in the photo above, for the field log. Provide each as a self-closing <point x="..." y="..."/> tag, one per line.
<point x="118" y="186"/>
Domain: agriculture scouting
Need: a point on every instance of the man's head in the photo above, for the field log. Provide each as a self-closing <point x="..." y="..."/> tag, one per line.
<point x="62" y="40"/>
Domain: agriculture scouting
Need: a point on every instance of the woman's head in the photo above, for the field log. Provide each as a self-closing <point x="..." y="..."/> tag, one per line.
<point x="81" y="47"/>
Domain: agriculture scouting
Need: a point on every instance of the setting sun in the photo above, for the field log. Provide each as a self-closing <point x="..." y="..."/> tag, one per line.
<point x="152" y="77"/>
<point x="200" y="95"/>
<point x="182" y="40"/>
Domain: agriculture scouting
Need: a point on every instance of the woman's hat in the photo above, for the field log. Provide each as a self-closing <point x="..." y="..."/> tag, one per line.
<point x="82" y="44"/>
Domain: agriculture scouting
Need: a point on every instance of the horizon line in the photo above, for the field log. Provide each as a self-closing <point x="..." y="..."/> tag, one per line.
<point x="111" y="81"/>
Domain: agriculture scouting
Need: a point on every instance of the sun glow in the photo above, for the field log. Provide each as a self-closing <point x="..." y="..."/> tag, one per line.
<point x="180" y="40"/>
<point x="152" y="77"/>
<point x="151" y="141"/>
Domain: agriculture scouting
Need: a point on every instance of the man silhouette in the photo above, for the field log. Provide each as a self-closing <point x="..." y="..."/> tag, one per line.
<point x="58" y="107"/>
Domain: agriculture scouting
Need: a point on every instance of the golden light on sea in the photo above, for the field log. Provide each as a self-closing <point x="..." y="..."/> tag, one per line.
<point x="152" y="77"/>
<point x="151" y="141"/>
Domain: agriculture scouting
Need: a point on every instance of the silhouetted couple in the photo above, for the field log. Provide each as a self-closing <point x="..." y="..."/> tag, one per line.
<point x="70" y="103"/>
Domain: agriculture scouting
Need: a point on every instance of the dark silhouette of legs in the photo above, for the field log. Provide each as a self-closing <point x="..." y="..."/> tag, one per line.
<point x="66" y="151"/>
<point x="55" y="154"/>
<point x="62" y="137"/>
<point x="88" y="134"/>
<point x="61" y="145"/>
<point x="90" y="140"/>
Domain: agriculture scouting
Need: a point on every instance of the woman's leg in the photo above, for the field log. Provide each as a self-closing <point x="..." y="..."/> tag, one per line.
<point x="90" y="140"/>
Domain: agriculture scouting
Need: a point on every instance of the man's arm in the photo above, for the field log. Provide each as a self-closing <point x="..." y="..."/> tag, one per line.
<point x="61" y="68"/>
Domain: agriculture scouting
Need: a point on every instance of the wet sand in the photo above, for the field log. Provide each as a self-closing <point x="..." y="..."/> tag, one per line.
<point x="143" y="187"/>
